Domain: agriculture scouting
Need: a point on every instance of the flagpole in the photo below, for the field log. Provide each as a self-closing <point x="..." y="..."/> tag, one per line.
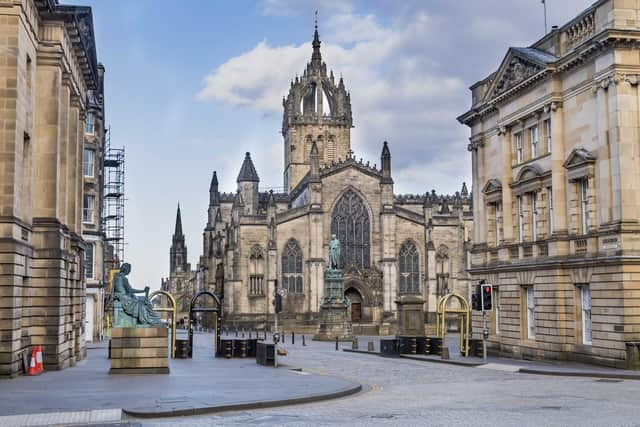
<point x="544" y="4"/>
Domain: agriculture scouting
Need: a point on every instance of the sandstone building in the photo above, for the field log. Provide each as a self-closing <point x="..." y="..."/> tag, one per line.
<point x="554" y="141"/>
<point x="48" y="65"/>
<point x="392" y="244"/>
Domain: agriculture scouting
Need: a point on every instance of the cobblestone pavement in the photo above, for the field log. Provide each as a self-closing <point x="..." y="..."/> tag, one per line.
<point x="412" y="393"/>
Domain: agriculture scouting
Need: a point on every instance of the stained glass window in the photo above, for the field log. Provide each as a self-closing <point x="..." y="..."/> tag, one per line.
<point x="350" y="223"/>
<point x="409" y="268"/>
<point x="292" y="267"/>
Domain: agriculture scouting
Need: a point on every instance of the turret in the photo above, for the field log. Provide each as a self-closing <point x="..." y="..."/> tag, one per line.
<point x="385" y="159"/>
<point x="248" y="182"/>
<point x="214" y="194"/>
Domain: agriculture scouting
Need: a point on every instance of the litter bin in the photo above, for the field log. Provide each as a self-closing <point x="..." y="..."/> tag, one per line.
<point x="265" y="354"/>
<point x="389" y="347"/>
<point x="182" y="349"/>
<point x="435" y="346"/>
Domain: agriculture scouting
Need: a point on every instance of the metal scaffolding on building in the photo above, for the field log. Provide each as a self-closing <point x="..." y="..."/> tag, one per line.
<point x="113" y="209"/>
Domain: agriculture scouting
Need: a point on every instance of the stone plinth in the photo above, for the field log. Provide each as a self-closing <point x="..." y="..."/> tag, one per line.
<point x="334" y="311"/>
<point x="410" y="316"/>
<point x="139" y="351"/>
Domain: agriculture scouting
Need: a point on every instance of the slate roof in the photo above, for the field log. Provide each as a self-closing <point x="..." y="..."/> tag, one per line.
<point x="248" y="171"/>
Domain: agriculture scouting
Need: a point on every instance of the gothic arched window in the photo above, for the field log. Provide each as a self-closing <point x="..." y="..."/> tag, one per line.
<point x="350" y="223"/>
<point x="442" y="270"/>
<point x="409" y="268"/>
<point x="256" y="271"/>
<point x="292" y="267"/>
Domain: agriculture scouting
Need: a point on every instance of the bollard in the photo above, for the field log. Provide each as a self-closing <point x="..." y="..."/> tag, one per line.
<point x="249" y="334"/>
<point x="336" y="343"/>
<point x="265" y="334"/>
<point x="445" y="352"/>
<point x="370" y="346"/>
<point x="284" y="337"/>
<point x="354" y="343"/>
<point x="293" y="338"/>
<point x="236" y="332"/>
<point x="303" y="343"/>
<point x="242" y="334"/>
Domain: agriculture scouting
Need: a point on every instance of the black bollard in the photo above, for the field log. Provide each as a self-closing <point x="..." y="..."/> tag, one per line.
<point x="336" y="343"/>
<point x="236" y="332"/>
<point x="284" y="337"/>
<point x="303" y="343"/>
<point x="249" y="334"/>
<point x="293" y="338"/>
<point x="265" y="334"/>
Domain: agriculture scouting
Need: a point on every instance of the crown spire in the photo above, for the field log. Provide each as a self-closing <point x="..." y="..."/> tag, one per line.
<point x="316" y="57"/>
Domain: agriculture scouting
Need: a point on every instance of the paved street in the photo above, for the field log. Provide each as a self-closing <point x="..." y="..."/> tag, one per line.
<point x="406" y="392"/>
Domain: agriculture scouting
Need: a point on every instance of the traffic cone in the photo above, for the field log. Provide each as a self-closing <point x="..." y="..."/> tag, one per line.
<point x="39" y="359"/>
<point x="32" y="363"/>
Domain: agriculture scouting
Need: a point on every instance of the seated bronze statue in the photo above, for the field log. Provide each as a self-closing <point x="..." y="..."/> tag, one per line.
<point x="129" y="310"/>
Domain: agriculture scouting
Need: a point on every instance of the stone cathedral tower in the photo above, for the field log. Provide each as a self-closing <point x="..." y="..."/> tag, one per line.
<point x="315" y="110"/>
<point x="178" y="251"/>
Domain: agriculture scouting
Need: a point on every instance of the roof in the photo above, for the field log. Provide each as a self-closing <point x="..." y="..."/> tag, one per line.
<point x="248" y="171"/>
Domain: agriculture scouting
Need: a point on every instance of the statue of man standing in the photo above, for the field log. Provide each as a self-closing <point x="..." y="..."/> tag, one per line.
<point x="334" y="253"/>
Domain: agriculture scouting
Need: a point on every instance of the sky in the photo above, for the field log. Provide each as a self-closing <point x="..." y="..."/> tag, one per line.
<point x="191" y="85"/>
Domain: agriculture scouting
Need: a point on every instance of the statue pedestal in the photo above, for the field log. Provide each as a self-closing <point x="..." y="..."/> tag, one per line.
<point x="335" y="321"/>
<point x="139" y="350"/>
<point x="410" y="316"/>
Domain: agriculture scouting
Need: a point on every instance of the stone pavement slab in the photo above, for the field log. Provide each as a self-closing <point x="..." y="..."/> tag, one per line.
<point x="193" y="386"/>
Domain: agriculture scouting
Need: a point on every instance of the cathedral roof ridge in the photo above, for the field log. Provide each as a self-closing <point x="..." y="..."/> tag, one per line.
<point x="350" y="161"/>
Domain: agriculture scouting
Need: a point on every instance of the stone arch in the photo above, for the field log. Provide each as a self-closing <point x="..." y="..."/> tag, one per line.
<point x="351" y="222"/>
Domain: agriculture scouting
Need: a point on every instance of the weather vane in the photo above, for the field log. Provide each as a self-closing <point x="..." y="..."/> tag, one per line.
<point x="316" y="20"/>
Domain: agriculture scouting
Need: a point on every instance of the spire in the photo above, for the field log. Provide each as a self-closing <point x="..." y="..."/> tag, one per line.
<point x="316" y="58"/>
<point x="464" y="192"/>
<point x="385" y="161"/>
<point x="272" y="200"/>
<point x="178" y="231"/>
<point x="248" y="171"/>
<point x="214" y="195"/>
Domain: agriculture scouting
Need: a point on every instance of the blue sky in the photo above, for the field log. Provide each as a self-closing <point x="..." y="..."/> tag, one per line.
<point x="191" y="85"/>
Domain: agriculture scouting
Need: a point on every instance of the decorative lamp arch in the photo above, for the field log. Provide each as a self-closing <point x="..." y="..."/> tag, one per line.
<point x="464" y="314"/>
<point x="172" y="309"/>
<point x="218" y="317"/>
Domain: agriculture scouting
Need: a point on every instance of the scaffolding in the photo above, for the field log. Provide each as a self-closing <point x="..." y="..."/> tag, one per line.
<point x="113" y="209"/>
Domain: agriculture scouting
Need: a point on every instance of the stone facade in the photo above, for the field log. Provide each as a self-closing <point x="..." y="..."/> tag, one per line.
<point x="554" y="132"/>
<point x="392" y="244"/>
<point x="92" y="208"/>
<point x="47" y="66"/>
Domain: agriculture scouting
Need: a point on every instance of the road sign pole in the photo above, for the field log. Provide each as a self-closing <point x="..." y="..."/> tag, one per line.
<point x="485" y="330"/>
<point x="275" y="344"/>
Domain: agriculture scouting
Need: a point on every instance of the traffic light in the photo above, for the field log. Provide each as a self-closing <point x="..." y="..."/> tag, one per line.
<point x="475" y="299"/>
<point x="486" y="297"/>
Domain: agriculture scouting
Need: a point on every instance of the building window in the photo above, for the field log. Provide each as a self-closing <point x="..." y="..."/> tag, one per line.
<point x="88" y="164"/>
<point x="292" y="267"/>
<point x="256" y="271"/>
<point x="585" y="299"/>
<point x="88" y="261"/>
<point x="531" y="314"/>
<point x="521" y="218"/>
<point x="88" y="209"/>
<point x="534" y="215"/>
<point x="533" y="134"/>
<point x="584" y="204"/>
<point x="496" y="307"/>
<point x="89" y="123"/>
<point x="409" y="268"/>
<point x="547" y="133"/>
<point x="550" y="201"/>
<point x="497" y="222"/>
<point x="518" y="138"/>
<point x="350" y="223"/>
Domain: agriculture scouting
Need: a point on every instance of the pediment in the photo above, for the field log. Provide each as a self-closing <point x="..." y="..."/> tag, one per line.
<point x="528" y="173"/>
<point x="519" y="65"/>
<point x="579" y="157"/>
<point x="492" y="186"/>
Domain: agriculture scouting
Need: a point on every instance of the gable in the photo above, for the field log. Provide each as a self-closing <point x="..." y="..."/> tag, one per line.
<point x="518" y="66"/>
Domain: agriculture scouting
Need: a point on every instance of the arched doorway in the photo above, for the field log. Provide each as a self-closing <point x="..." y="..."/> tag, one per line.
<point x="355" y="303"/>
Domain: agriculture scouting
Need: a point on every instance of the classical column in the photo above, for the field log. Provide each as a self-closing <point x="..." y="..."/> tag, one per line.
<point x="560" y="196"/>
<point x="505" y="144"/>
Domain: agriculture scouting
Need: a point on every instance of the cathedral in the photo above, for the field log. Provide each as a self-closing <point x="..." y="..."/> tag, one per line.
<point x="392" y="245"/>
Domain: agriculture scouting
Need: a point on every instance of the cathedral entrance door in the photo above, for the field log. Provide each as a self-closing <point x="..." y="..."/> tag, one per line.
<point x="356" y="311"/>
<point x="355" y="300"/>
